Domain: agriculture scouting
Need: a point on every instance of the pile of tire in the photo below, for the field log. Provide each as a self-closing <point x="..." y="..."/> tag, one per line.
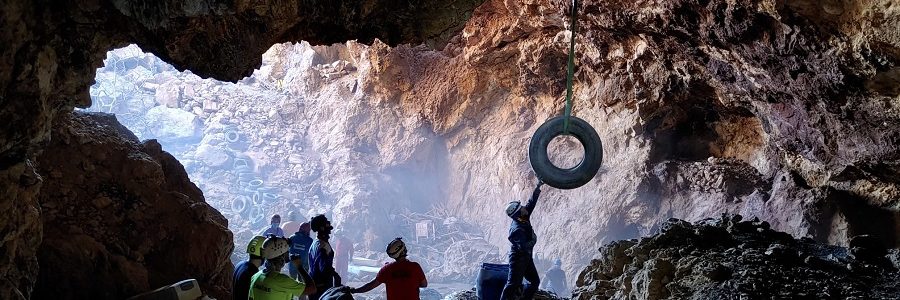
<point x="254" y="197"/>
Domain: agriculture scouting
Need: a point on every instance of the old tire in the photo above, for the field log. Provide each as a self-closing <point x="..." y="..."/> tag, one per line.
<point x="565" y="178"/>
<point x="239" y="205"/>
<point x="232" y="135"/>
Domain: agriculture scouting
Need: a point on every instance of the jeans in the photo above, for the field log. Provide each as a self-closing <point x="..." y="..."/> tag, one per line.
<point x="521" y="266"/>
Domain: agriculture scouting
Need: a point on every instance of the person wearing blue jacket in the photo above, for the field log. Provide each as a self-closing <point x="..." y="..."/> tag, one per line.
<point x="522" y="240"/>
<point x="321" y="257"/>
<point x="300" y="243"/>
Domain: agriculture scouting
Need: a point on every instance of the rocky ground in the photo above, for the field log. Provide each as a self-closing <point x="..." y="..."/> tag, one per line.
<point x="731" y="258"/>
<point x="471" y="295"/>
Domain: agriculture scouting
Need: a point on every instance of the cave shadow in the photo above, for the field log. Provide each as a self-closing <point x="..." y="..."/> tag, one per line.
<point x="861" y="218"/>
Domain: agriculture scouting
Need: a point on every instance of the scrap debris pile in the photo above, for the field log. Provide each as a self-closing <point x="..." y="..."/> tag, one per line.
<point x="448" y="248"/>
<point x="727" y="258"/>
<point x="240" y="143"/>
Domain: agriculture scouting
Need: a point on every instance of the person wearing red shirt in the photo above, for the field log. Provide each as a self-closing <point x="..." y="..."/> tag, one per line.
<point x="343" y="253"/>
<point x="402" y="278"/>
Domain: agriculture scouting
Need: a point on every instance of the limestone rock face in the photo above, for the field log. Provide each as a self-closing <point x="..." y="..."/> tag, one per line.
<point x="121" y="217"/>
<point x="698" y="117"/>
<point x="49" y="52"/>
<point x="783" y="110"/>
<point x="703" y="107"/>
<point x="775" y="110"/>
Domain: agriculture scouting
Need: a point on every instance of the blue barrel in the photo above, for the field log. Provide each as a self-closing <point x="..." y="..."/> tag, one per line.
<point x="491" y="280"/>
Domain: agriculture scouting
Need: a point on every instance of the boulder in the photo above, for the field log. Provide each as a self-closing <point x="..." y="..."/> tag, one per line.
<point x="169" y="94"/>
<point x="125" y="230"/>
<point x="212" y="156"/>
<point x="173" y="124"/>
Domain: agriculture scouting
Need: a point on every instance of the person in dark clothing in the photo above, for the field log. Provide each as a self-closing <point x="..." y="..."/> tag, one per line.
<point x="243" y="272"/>
<point x="556" y="279"/>
<point x="522" y="240"/>
<point x="300" y="243"/>
<point x="321" y="257"/>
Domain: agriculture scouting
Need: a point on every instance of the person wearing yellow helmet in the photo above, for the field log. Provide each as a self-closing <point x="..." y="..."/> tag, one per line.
<point x="243" y="272"/>
<point x="270" y="283"/>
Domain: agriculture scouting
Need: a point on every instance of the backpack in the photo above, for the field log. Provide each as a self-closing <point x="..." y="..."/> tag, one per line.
<point x="337" y="293"/>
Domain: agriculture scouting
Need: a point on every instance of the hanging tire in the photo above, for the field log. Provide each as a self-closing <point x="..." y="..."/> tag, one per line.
<point x="565" y="178"/>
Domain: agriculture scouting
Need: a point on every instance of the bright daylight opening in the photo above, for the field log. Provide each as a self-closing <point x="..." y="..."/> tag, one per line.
<point x="255" y="149"/>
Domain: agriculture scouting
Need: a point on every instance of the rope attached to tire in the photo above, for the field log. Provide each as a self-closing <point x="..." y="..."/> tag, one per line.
<point x="570" y="67"/>
<point x="566" y="125"/>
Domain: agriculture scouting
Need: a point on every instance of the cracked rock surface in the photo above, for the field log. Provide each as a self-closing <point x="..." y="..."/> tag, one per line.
<point x="121" y="217"/>
<point x="783" y="110"/>
<point x="730" y="258"/>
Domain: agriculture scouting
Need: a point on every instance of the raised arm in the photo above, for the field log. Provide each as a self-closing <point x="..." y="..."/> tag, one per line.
<point x="532" y="202"/>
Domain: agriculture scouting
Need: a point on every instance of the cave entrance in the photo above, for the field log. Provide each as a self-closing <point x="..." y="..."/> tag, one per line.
<point x="261" y="146"/>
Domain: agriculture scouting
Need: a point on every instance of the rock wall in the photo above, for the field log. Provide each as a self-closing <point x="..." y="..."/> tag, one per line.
<point x="124" y="214"/>
<point x="698" y="117"/>
<point x="785" y="111"/>
<point x="50" y="51"/>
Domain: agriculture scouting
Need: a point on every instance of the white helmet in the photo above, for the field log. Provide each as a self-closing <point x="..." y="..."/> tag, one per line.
<point x="396" y="249"/>
<point x="274" y="247"/>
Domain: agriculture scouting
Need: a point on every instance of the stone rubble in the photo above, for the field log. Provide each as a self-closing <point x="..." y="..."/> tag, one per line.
<point x="732" y="258"/>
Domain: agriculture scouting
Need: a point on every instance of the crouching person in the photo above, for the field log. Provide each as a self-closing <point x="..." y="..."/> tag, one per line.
<point x="402" y="278"/>
<point x="270" y="284"/>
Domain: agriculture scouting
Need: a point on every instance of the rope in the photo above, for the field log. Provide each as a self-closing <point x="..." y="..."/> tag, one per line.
<point x="571" y="68"/>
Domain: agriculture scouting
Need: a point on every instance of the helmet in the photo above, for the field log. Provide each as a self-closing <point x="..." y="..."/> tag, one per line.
<point x="255" y="245"/>
<point x="557" y="262"/>
<point x="293" y="216"/>
<point x="396" y="249"/>
<point x="512" y="208"/>
<point x="274" y="247"/>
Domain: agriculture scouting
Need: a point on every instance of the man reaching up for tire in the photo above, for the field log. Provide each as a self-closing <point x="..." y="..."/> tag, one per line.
<point x="522" y="240"/>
